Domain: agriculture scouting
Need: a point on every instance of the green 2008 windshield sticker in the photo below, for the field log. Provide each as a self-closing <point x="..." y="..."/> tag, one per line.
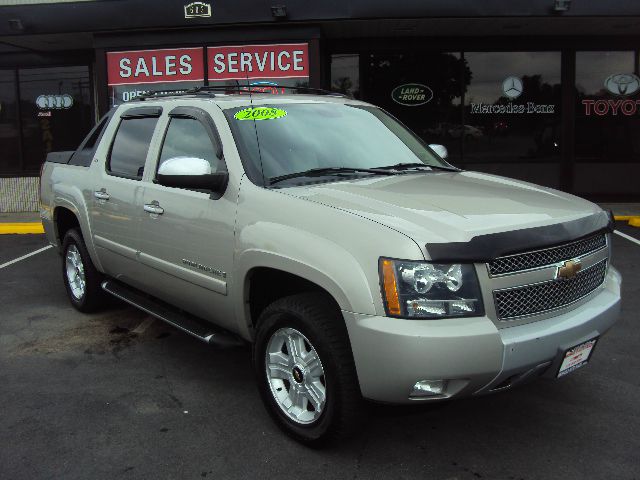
<point x="260" y="113"/>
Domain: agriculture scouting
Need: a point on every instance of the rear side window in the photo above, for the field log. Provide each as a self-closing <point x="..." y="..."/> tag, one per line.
<point x="187" y="137"/>
<point x="94" y="135"/>
<point x="130" y="147"/>
<point x="84" y="154"/>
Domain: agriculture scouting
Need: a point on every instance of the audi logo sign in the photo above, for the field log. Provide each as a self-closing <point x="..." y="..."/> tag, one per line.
<point x="54" y="102"/>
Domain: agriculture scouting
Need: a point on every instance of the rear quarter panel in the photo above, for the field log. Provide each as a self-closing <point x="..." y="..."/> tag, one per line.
<point x="67" y="186"/>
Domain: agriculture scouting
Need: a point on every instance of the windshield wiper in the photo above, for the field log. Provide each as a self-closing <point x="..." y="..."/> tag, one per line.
<point x="313" y="172"/>
<point x="408" y="166"/>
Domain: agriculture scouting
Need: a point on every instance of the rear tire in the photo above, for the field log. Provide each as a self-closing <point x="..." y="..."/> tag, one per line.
<point x="305" y="370"/>
<point x="81" y="278"/>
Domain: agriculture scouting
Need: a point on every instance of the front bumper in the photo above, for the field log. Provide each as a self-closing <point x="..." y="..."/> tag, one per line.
<point x="476" y="357"/>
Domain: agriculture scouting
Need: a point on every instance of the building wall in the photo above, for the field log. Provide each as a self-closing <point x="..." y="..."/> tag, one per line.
<point x="19" y="194"/>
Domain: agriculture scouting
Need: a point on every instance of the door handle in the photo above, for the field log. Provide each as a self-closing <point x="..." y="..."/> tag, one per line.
<point x="153" y="208"/>
<point x="101" y="195"/>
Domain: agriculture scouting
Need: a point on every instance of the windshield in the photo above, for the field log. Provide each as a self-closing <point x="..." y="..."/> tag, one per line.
<point x="303" y="136"/>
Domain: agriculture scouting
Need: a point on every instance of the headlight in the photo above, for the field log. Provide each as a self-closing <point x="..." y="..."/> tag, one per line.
<point x="429" y="290"/>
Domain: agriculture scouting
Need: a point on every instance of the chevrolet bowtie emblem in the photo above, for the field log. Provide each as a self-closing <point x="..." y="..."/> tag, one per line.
<point x="568" y="269"/>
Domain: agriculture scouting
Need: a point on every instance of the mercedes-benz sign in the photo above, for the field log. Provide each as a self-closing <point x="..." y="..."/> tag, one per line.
<point x="512" y="87"/>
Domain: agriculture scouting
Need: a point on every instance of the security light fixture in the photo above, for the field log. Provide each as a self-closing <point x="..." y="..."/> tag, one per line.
<point x="562" y="5"/>
<point x="279" y="12"/>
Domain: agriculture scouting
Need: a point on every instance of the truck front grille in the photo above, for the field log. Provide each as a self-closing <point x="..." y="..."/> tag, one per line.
<point x="548" y="256"/>
<point x="541" y="297"/>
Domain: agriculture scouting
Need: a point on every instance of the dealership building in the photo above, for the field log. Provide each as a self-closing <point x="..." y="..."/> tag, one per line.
<point x="542" y="90"/>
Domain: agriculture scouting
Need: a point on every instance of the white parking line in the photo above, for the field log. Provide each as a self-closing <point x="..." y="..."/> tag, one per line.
<point x="628" y="237"/>
<point x="11" y="262"/>
<point x="146" y="323"/>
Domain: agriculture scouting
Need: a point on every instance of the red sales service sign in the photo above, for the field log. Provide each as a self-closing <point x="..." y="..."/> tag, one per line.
<point x="155" y="66"/>
<point x="258" y="61"/>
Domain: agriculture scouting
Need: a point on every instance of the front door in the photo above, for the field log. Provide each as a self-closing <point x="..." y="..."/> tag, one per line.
<point x="186" y="236"/>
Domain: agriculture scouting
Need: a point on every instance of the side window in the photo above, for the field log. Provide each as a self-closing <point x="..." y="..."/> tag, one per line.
<point x="187" y="137"/>
<point x="130" y="147"/>
<point x="95" y="135"/>
<point x="82" y="156"/>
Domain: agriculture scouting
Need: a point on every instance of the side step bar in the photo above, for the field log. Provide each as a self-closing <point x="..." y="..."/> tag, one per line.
<point x="181" y="320"/>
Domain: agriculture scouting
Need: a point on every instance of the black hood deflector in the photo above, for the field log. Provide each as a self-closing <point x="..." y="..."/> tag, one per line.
<point x="485" y="248"/>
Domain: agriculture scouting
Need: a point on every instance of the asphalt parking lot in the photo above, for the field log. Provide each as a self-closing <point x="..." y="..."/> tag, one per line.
<point x="112" y="396"/>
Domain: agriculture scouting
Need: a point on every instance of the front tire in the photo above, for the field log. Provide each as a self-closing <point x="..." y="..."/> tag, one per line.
<point x="81" y="278"/>
<point x="305" y="370"/>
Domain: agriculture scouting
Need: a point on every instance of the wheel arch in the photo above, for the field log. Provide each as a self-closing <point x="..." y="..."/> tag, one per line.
<point x="66" y="216"/>
<point x="64" y="219"/>
<point x="254" y="268"/>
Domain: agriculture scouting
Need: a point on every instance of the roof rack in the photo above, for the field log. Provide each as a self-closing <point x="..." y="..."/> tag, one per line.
<point x="163" y="93"/>
<point x="210" y="91"/>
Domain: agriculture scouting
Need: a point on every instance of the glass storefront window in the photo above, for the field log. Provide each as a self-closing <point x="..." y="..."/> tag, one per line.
<point x="423" y="90"/>
<point x="607" y="123"/>
<point x="512" y="115"/>
<point x="9" y="130"/>
<point x="345" y="74"/>
<point x="55" y="110"/>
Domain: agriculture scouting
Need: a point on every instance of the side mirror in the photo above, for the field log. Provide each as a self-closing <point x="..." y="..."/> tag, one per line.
<point x="192" y="173"/>
<point x="441" y="150"/>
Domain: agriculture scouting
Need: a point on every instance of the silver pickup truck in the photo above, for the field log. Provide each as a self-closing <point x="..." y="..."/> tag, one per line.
<point x="357" y="262"/>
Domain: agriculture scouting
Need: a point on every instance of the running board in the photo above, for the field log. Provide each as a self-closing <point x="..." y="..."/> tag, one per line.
<point x="181" y="320"/>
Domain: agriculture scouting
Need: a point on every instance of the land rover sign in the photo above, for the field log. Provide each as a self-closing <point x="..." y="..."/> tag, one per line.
<point x="412" y="94"/>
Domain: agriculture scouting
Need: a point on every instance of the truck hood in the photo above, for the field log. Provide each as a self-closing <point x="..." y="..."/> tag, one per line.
<point x="439" y="207"/>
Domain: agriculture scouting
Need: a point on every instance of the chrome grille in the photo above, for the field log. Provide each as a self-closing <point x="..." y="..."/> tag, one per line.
<point x="548" y="256"/>
<point x="541" y="297"/>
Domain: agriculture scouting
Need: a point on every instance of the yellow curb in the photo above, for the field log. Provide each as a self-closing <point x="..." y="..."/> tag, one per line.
<point x="36" y="227"/>
<point x="13" y="228"/>
<point x="633" y="220"/>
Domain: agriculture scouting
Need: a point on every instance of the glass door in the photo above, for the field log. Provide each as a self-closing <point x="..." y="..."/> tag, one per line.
<point x="55" y="111"/>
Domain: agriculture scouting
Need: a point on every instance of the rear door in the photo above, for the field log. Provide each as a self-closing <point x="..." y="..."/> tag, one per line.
<point x="186" y="236"/>
<point x="117" y="193"/>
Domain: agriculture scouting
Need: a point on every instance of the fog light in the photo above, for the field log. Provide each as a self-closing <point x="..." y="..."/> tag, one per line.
<point x="462" y="306"/>
<point x="429" y="388"/>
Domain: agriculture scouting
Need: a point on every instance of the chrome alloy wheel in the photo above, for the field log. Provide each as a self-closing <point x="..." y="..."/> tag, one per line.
<point x="75" y="272"/>
<point x="295" y="375"/>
